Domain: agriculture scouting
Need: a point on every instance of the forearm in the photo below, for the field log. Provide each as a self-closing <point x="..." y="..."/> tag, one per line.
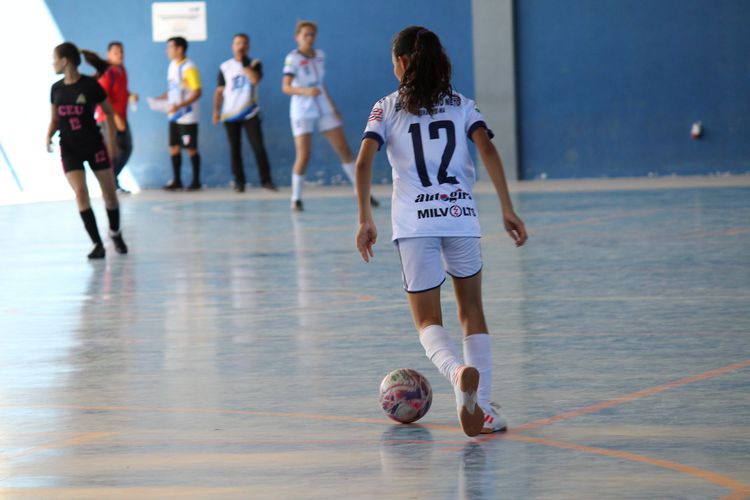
<point x="111" y="137"/>
<point x="194" y="96"/>
<point x="494" y="165"/>
<point x="363" y="179"/>
<point x="218" y="100"/>
<point x="330" y="99"/>
<point x="289" y="90"/>
<point x="253" y="75"/>
<point x="51" y="129"/>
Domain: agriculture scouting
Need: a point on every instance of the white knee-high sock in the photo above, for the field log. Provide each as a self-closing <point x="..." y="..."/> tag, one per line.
<point x="349" y="170"/>
<point x="297" y="183"/>
<point x="439" y="348"/>
<point x="478" y="353"/>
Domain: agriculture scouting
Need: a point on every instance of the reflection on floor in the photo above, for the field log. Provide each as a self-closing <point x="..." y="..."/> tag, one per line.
<point x="237" y="352"/>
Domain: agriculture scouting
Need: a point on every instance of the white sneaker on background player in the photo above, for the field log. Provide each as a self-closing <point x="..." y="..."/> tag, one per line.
<point x="494" y="420"/>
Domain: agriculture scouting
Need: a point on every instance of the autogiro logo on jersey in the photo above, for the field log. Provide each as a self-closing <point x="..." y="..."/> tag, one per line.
<point x="453" y="197"/>
<point x="453" y="211"/>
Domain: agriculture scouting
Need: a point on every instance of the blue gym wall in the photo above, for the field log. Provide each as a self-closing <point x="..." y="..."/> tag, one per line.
<point x="610" y="88"/>
<point x="355" y="35"/>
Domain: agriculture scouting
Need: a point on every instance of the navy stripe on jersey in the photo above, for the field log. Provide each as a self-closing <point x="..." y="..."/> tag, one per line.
<point x="374" y="136"/>
<point x="479" y="124"/>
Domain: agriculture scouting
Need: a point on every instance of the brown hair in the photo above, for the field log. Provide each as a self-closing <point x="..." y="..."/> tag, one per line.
<point x="70" y="52"/>
<point x="305" y="24"/>
<point x="427" y="79"/>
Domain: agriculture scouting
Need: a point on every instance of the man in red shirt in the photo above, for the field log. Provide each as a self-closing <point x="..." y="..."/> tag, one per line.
<point x="113" y="78"/>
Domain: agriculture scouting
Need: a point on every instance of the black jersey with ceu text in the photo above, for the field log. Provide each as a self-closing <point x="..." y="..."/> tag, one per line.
<point x="75" y="105"/>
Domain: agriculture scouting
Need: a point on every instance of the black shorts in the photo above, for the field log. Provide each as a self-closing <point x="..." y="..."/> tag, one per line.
<point x="183" y="135"/>
<point x="97" y="158"/>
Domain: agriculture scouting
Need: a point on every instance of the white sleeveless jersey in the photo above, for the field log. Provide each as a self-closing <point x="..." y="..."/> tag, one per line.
<point x="433" y="174"/>
<point x="240" y="97"/>
<point x="183" y="78"/>
<point x="307" y="72"/>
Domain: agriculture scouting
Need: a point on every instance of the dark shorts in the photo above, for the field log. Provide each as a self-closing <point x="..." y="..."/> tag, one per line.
<point x="97" y="158"/>
<point x="185" y="136"/>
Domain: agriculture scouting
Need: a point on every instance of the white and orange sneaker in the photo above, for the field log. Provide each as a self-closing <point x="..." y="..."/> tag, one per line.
<point x="465" y="384"/>
<point x="494" y="420"/>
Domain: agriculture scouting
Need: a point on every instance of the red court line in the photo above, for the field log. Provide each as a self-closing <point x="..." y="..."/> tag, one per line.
<point x="73" y="441"/>
<point x="737" y="489"/>
<point x="632" y="396"/>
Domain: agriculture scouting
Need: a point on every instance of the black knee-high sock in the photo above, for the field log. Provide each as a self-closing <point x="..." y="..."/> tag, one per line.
<point x="114" y="219"/>
<point x="196" y="161"/>
<point x="89" y="222"/>
<point x="177" y="167"/>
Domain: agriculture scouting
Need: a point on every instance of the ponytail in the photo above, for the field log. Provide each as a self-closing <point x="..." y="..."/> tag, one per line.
<point x="427" y="79"/>
<point x="100" y="65"/>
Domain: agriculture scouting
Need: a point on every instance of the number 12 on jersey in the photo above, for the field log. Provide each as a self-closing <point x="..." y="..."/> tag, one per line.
<point x="450" y="147"/>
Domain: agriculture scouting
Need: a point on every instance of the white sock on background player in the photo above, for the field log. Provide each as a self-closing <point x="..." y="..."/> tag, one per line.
<point x="297" y="182"/>
<point x="349" y="170"/>
<point x="478" y="353"/>
<point x="439" y="348"/>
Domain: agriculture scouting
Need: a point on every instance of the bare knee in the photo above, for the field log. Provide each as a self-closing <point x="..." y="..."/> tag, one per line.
<point x="300" y="164"/>
<point x="82" y="196"/>
<point x="346" y="155"/>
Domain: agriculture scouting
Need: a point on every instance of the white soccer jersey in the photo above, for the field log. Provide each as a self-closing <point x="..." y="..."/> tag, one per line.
<point x="307" y="72"/>
<point x="433" y="174"/>
<point x="183" y="79"/>
<point x="240" y="96"/>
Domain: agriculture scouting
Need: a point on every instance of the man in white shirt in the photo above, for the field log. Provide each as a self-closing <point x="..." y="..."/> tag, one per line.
<point x="236" y="105"/>
<point x="183" y="92"/>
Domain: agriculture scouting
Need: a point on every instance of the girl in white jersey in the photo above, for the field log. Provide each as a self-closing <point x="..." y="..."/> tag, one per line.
<point x="426" y="126"/>
<point x="304" y="69"/>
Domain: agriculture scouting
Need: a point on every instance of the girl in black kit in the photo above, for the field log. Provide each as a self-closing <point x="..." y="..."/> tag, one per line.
<point x="74" y="100"/>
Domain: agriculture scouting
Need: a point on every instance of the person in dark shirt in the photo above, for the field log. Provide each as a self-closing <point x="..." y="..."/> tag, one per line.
<point x="74" y="100"/>
<point x="113" y="77"/>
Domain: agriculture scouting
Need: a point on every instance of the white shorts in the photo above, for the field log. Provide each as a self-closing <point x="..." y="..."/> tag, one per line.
<point x="423" y="268"/>
<point x="302" y="126"/>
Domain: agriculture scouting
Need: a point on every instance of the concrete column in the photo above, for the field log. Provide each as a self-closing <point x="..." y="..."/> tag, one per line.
<point x="495" y="75"/>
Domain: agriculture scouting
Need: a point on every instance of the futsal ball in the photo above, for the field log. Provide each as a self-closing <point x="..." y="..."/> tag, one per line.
<point x="405" y="395"/>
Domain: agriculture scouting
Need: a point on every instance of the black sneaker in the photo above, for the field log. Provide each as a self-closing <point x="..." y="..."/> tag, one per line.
<point x="374" y="203"/>
<point x="297" y="206"/>
<point x="270" y="186"/>
<point x="122" y="191"/>
<point x="240" y="188"/>
<point x="194" y="186"/>
<point x="97" y="252"/>
<point x="120" y="246"/>
<point x="173" y="185"/>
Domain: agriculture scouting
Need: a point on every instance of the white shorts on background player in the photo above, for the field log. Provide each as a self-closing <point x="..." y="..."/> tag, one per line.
<point x="302" y="126"/>
<point x="424" y="261"/>
<point x="306" y="111"/>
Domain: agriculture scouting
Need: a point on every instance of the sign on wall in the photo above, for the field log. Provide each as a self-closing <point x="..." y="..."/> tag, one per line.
<point x="185" y="19"/>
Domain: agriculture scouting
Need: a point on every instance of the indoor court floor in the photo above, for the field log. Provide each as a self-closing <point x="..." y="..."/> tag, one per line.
<point x="237" y="351"/>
